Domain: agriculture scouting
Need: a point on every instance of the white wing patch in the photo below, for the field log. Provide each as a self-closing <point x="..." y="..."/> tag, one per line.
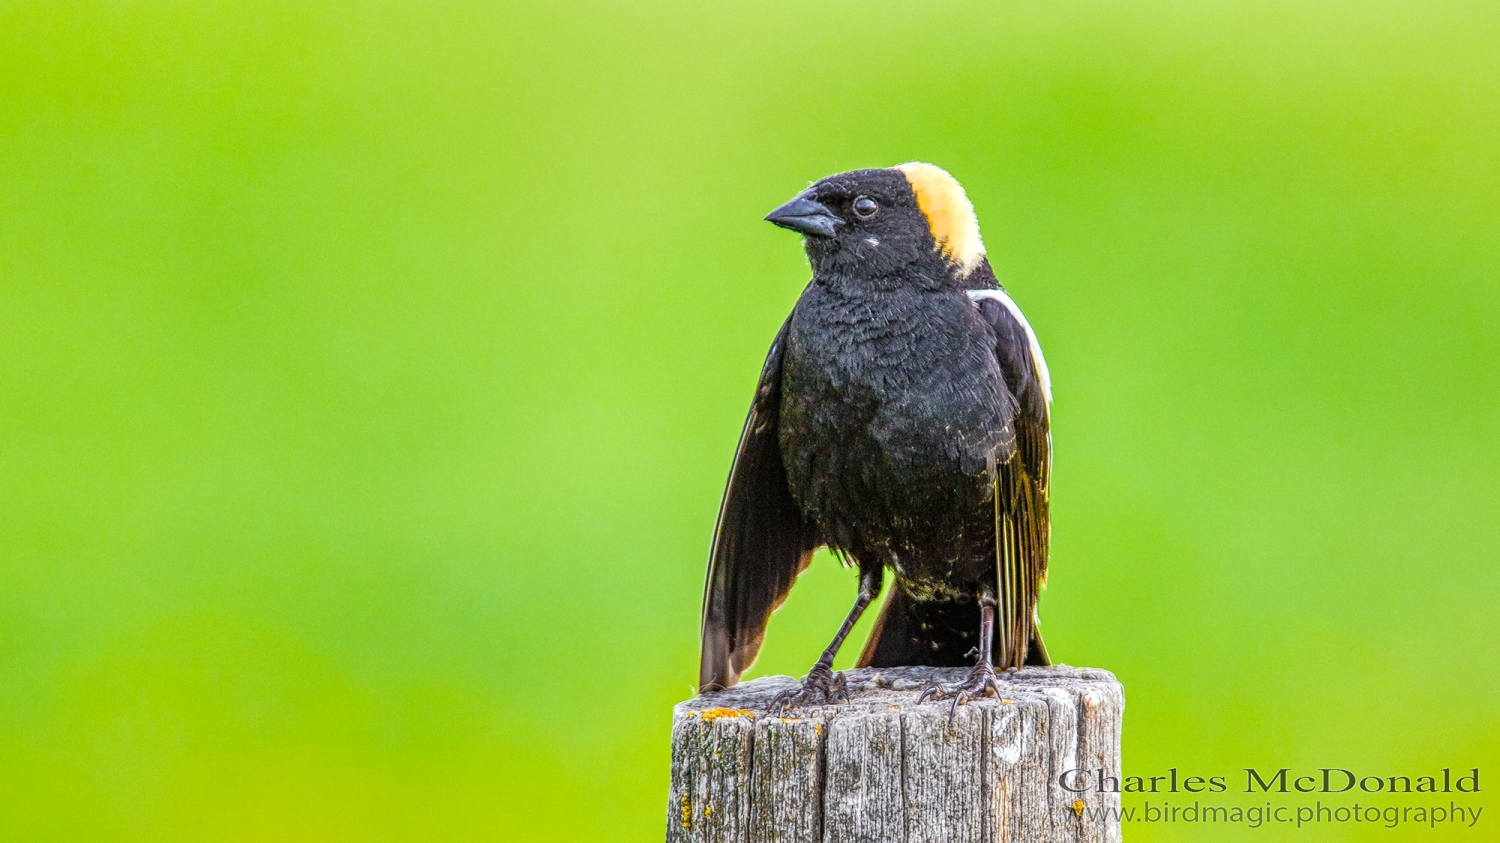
<point x="1036" y="347"/>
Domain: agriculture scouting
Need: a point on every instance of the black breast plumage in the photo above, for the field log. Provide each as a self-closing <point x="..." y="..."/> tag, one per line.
<point x="893" y="413"/>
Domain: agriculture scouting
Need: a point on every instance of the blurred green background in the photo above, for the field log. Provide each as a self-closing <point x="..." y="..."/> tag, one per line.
<point x="369" y="375"/>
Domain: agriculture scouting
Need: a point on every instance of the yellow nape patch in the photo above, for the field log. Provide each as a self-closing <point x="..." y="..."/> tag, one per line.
<point x="949" y="213"/>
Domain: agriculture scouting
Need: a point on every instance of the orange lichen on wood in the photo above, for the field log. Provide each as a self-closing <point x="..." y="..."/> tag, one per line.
<point x="712" y="714"/>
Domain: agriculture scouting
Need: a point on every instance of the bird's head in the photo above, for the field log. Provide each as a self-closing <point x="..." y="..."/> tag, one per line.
<point x="874" y="224"/>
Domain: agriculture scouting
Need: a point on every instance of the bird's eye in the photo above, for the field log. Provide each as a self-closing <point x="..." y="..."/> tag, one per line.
<point x="865" y="207"/>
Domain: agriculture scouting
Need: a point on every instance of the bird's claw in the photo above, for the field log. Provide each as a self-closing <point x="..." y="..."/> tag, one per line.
<point x="982" y="681"/>
<point x="821" y="680"/>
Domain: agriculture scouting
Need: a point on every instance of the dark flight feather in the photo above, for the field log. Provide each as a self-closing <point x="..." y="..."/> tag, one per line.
<point x="761" y="540"/>
<point x="1022" y="517"/>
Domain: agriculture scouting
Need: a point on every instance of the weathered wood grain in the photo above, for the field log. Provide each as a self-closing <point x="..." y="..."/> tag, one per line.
<point x="862" y="796"/>
<point x="882" y="768"/>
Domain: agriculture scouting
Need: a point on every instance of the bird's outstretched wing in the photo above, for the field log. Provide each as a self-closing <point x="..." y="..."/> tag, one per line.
<point x="761" y="541"/>
<point x="1022" y="518"/>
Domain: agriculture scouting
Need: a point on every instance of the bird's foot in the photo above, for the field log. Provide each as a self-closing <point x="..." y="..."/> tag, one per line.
<point x="820" y="681"/>
<point x="982" y="681"/>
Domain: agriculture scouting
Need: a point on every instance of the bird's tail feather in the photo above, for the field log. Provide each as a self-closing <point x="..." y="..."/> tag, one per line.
<point x="939" y="633"/>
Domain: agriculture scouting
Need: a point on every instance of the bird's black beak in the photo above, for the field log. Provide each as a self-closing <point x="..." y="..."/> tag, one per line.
<point x="808" y="216"/>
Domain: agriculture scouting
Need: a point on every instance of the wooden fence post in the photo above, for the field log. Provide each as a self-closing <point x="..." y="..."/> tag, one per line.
<point x="881" y="768"/>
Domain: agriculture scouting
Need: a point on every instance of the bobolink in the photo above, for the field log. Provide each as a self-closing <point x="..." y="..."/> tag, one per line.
<point x="902" y="419"/>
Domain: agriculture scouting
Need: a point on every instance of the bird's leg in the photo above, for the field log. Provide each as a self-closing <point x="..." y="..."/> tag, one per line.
<point x="981" y="681"/>
<point x="821" y="680"/>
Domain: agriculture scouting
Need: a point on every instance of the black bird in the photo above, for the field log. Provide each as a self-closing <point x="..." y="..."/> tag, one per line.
<point x="902" y="419"/>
